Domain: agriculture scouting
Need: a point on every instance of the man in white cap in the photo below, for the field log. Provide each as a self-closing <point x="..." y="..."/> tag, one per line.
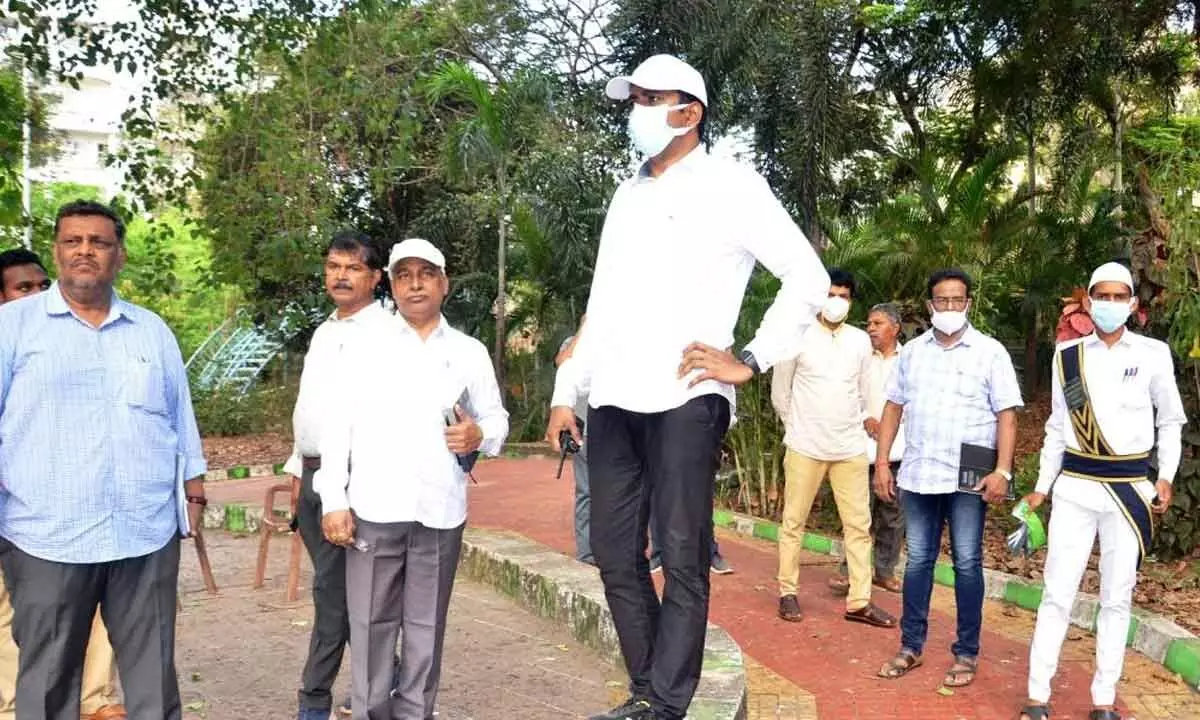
<point x="422" y="401"/>
<point x="1097" y="458"/>
<point x="679" y="243"/>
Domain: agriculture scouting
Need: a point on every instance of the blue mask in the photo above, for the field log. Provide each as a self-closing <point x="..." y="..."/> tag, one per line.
<point x="1110" y="315"/>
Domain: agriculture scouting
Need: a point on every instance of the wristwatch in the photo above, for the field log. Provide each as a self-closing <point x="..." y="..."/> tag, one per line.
<point x="747" y="359"/>
<point x="1005" y="474"/>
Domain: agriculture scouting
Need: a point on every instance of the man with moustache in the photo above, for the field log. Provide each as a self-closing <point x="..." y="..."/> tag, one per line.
<point x="353" y="270"/>
<point x="679" y="243"/>
<point x="23" y="275"/>
<point x="424" y="402"/>
<point x="821" y="398"/>
<point x="102" y="471"/>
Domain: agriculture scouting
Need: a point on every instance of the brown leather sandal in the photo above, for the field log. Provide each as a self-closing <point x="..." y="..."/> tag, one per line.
<point x="962" y="672"/>
<point x="901" y="665"/>
<point x="871" y="614"/>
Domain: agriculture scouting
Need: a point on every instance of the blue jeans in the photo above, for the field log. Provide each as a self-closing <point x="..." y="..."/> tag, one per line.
<point x="925" y="515"/>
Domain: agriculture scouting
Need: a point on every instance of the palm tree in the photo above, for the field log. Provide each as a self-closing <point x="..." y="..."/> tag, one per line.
<point x="495" y="126"/>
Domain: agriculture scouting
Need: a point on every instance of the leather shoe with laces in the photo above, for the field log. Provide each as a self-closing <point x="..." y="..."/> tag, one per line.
<point x="632" y="709"/>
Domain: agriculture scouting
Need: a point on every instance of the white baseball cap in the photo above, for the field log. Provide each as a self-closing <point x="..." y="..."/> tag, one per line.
<point x="660" y="72"/>
<point x="1111" y="272"/>
<point x="416" y="248"/>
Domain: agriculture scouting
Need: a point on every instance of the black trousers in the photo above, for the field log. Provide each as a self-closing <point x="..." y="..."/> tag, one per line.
<point x="331" y="622"/>
<point x="53" y="608"/>
<point x="669" y="459"/>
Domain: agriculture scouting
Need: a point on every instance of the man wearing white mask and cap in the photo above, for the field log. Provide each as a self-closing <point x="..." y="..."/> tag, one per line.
<point x="1112" y="391"/>
<point x="679" y="243"/>
<point x="821" y="398"/>
<point x="422" y="401"/>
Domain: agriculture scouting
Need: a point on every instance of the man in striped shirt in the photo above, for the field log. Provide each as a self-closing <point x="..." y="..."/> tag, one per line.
<point x="23" y="275"/>
<point x="102" y="471"/>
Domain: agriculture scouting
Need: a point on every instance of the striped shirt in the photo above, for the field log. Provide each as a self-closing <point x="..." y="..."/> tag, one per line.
<point x="92" y="421"/>
<point x="950" y="395"/>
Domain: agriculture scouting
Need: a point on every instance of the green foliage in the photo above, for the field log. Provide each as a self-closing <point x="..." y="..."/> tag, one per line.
<point x="224" y="412"/>
<point x="17" y="106"/>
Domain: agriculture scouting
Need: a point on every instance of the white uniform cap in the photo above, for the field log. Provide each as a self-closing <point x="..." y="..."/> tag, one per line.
<point x="1111" y="272"/>
<point x="660" y="72"/>
<point x="416" y="248"/>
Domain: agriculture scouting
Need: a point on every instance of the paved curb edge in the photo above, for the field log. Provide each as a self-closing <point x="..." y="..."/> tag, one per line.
<point x="561" y="589"/>
<point x="1152" y="635"/>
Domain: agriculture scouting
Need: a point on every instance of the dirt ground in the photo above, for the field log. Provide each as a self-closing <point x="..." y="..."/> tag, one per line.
<point x="240" y="653"/>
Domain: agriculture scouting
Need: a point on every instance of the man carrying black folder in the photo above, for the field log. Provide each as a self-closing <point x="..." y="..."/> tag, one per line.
<point x="958" y="394"/>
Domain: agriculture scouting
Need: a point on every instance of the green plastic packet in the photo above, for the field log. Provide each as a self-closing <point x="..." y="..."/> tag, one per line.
<point x="1033" y="524"/>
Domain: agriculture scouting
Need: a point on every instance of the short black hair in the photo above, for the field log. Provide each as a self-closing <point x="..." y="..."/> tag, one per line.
<point x="89" y="208"/>
<point x="18" y="257"/>
<point x="702" y="128"/>
<point x="354" y="241"/>
<point x="942" y="276"/>
<point x="842" y="278"/>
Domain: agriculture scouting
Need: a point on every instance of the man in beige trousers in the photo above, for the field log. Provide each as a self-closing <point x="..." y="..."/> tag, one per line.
<point x="821" y="397"/>
<point x="22" y="274"/>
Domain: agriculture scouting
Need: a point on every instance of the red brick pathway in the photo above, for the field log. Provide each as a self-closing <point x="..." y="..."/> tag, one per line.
<point x="834" y="660"/>
<point x="827" y="656"/>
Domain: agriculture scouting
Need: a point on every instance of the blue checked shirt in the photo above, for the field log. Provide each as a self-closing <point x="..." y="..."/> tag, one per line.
<point x="92" y="422"/>
<point x="950" y="396"/>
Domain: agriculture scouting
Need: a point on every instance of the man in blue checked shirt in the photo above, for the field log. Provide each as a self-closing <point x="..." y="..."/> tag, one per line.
<point x="96" y="438"/>
<point x="958" y="394"/>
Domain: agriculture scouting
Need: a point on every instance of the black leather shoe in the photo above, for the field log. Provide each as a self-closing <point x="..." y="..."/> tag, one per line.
<point x="631" y="709"/>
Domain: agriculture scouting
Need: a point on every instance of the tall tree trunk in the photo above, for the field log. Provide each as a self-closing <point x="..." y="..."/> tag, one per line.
<point x="1031" y="357"/>
<point x="1031" y="168"/>
<point x="1118" y="130"/>
<point x="501" y="279"/>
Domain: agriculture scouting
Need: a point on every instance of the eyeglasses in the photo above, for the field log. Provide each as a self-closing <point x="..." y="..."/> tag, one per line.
<point x="949" y="303"/>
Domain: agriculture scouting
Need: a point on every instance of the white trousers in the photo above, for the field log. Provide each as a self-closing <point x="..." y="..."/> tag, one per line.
<point x="1073" y="529"/>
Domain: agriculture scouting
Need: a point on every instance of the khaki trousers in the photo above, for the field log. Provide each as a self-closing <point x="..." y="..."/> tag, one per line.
<point x="848" y="479"/>
<point x="99" y="665"/>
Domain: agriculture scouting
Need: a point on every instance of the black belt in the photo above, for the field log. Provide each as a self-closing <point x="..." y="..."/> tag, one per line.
<point x="311" y="463"/>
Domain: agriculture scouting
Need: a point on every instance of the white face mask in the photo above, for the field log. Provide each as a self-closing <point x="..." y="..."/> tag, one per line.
<point x="648" y="128"/>
<point x="835" y="309"/>
<point x="1109" y="315"/>
<point x="949" y="321"/>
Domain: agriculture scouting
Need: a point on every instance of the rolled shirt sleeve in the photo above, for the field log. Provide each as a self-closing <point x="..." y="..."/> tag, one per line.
<point x="897" y="383"/>
<point x="1004" y="391"/>
<point x="775" y="241"/>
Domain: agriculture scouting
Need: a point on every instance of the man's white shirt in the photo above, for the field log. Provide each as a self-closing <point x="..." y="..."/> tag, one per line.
<point x="821" y="393"/>
<point x="879" y="370"/>
<point x="675" y="255"/>
<point x="1132" y="390"/>
<point x="383" y="453"/>
<point x="329" y="361"/>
